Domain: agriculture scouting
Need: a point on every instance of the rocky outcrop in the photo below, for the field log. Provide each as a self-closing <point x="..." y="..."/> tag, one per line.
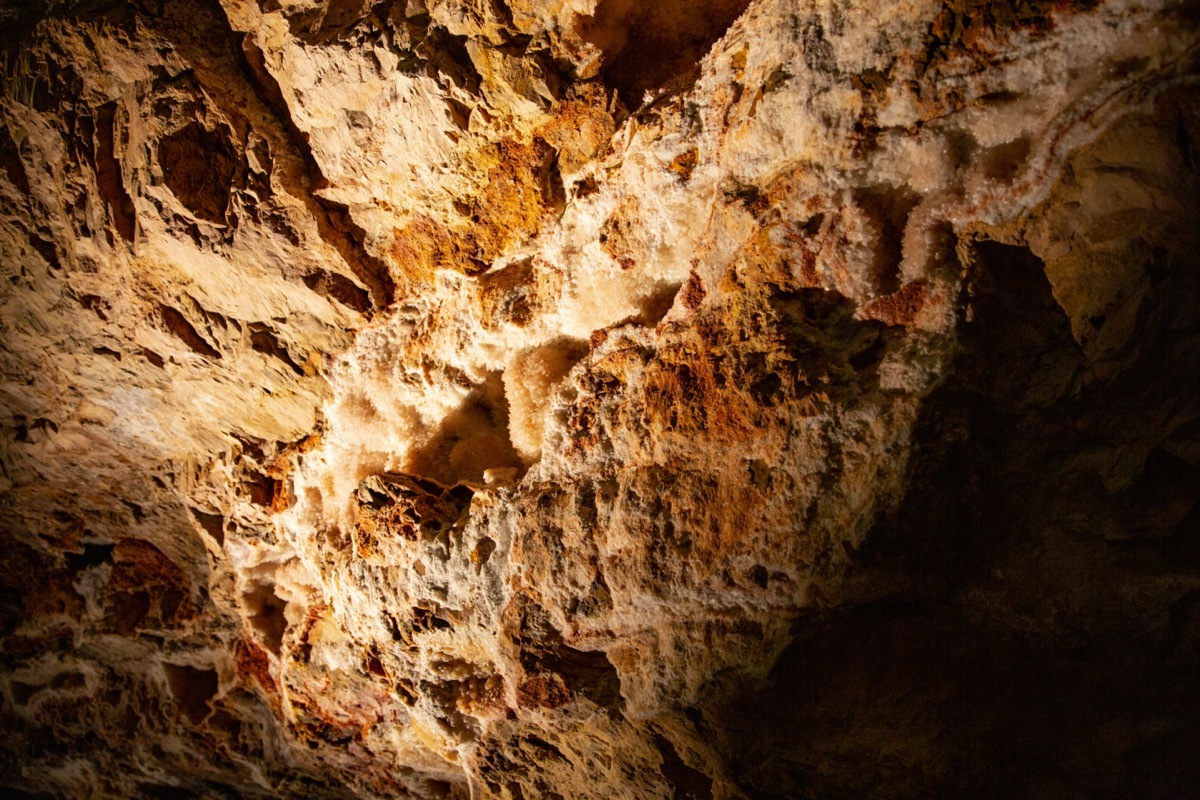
<point x="580" y="399"/>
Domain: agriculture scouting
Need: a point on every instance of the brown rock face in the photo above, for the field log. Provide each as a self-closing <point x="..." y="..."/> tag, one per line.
<point x="593" y="399"/>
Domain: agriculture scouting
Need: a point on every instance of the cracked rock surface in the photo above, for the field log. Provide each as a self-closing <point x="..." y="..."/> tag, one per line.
<point x="597" y="399"/>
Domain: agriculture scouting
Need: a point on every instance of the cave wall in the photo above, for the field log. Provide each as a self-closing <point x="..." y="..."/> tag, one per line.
<point x="578" y="399"/>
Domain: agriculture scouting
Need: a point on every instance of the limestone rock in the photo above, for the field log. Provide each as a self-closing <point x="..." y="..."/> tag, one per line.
<point x="592" y="399"/>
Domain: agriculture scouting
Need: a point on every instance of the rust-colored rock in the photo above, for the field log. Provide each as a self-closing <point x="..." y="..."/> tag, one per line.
<point x="548" y="398"/>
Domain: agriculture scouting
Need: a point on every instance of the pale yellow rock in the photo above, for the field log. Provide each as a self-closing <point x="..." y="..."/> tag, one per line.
<point x="487" y="399"/>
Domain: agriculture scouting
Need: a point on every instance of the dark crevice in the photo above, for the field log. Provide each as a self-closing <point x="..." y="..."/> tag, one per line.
<point x="263" y="340"/>
<point x="179" y="325"/>
<point x="10" y="161"/>
<point x="585" y="673"/>
<point x="340" y="288"/>
<point x="109" y="180"/>
<point x="92" y="555"/>
<point x="687" y="782"/>
<point x="470" y="440"/>
<point x="820" y="327"/>
<point x="1019" y="342"/>
<point x="192" y="688"/>
<point x="198" y="165"/>
<point x="372" y="271"/>
<point x="260" y="489"/>
<point x="888" y="208"/>
<point x="265" y="610"/>
<point x="656" y="305"/>
<point x="447" y="55"/>
<point x="1004" y="162"/>
<point x="48" y="250"/>
<point x="154" y="358"/>
<point x="327" y="21"/>
<point x="652" y="46"/>
<point x="213" y="524"/>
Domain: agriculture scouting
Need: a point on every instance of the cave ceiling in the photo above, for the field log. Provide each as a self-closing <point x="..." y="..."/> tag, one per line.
<point x="517" y="399"/>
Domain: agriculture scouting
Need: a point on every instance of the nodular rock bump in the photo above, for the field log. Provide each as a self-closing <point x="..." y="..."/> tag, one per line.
<point x="591" y="399"/>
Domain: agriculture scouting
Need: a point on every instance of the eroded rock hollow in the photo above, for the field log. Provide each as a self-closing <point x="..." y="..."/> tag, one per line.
<point x="599" y="399"/>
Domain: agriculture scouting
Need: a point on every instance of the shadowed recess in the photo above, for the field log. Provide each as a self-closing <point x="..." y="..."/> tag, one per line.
<point x="649" y="46"/>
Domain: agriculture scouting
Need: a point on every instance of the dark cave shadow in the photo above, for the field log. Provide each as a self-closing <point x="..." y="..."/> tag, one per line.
<point x="990" y="675"/>
<point x="470" y="440"/>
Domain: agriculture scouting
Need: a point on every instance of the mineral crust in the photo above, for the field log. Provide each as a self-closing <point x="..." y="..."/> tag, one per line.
<point x="597" y="399"/>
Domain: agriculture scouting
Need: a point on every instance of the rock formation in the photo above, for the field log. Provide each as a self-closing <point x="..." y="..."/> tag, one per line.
<point x="600" y="399"/>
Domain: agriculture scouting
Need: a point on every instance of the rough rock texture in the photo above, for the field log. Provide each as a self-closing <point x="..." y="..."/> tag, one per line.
<point x="600" y="399"/>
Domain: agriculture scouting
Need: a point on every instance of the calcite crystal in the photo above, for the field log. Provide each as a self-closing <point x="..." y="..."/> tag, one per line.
<point x="599" y="399"/>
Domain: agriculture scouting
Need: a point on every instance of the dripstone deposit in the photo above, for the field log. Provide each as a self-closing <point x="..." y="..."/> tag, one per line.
<point x="600" y="399"/>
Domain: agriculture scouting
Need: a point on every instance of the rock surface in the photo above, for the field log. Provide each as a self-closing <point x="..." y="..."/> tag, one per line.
<point x="593" y="399"/>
